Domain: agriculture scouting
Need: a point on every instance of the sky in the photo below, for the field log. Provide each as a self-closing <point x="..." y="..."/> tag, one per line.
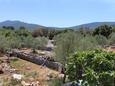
<point x="58" y="13"/>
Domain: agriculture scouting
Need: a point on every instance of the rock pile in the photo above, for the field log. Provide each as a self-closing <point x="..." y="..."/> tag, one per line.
<point x="30" y="82"/>
<point x="4" y="64"/>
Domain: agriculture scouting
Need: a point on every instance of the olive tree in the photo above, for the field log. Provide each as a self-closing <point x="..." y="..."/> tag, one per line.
<point x="101" y="40"/>
<point x="87" y="43"/>
<point x="69" y="42"/>
<point x="112" y="38"/>
<point x="21" y="38"/>
<point x="3" y="44"/>
<point x="64" y="46"/>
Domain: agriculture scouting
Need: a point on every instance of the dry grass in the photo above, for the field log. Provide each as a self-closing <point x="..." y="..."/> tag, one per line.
<point x="32" y="70"/>
<point x="5" y="79"/>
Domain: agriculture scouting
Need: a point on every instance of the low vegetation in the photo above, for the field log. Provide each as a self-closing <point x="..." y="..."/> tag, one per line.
<point x="84" y="41"/>
<point x="22" y="38"/>
<point x="79" y="51"/>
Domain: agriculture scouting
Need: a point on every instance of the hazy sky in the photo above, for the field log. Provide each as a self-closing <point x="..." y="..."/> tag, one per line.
<point x="59" y="13"/>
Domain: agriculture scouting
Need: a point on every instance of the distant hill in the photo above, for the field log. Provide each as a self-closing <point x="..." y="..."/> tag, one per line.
<point x="17" y="24"/>
<point x="93" y="25"/>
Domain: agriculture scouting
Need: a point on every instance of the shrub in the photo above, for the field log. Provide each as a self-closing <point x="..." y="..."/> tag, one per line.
<point x="101" y="40"/>
<point x="3" y="44"/>
<point x="14" y="82"/>
<point x="86" y="43"/>
<point x="112" y="38"/>
<point x="95" y="67"/>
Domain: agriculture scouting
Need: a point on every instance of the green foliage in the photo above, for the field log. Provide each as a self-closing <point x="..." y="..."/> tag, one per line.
<point x="35" y="43"/>
<point x="9" y="27"/>
<point x="84" y="31"/>
<point x="14" y="42"/>
<point x="112" y="38"/>
<point x="86" y="43"/>
<point x="22" y="38"/>
<point x="3" y="44"/>
<point x="104" y="30"/>
<point x="113" y="29"/>
<point x="7" y="33"/>
<point x="14" y="82"/>
<point x="69" y="42"/>
<point x="101" y="40"/>
<point x="65" y="45"/>
<point x="95" y="67"/>
<point x="22" y="32"/>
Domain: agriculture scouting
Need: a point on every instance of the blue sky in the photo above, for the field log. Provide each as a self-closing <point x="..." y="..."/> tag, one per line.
<point x="58" y="13"/>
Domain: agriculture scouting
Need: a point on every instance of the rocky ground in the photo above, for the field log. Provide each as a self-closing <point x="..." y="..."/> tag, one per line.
<point x="18" y="72"/>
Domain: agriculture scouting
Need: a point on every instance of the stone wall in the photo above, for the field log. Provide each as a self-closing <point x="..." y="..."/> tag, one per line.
<point x="40" y="60"/>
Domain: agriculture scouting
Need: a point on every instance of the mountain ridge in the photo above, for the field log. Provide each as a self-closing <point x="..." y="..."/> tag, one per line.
<point x="93" y="25"/>
<point x="16" y="24"/>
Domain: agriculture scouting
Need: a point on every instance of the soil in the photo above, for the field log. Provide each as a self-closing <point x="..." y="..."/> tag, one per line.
<point x="29" y="70"/>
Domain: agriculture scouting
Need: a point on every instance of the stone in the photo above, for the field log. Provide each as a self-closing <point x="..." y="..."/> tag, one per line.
<point x="17" y="76"/>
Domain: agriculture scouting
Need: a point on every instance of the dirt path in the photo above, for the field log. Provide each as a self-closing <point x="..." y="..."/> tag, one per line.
<point x="50" y="44"/>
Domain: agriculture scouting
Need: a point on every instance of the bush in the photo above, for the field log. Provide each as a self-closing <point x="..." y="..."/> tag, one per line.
<point x="101" y="40"/>
<point x="11" y="39"/>
<point x="14" y="82"/>
<point x="95" y="67"/>
<point x="112" y="38"/>
<point x="86" y="43"/>
<point x="104" y="30"/>
<point x="69" y="42"/>
<point x="3" y="44"/>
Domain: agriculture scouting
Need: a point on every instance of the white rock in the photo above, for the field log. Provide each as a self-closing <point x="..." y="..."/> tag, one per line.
<point x="25" y="84"/>
<point x="17" y="76"/>
<point x="61" y="75"/>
